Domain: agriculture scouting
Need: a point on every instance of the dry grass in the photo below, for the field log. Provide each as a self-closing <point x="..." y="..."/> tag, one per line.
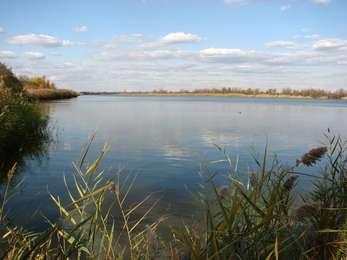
<point x="51" y="94"/>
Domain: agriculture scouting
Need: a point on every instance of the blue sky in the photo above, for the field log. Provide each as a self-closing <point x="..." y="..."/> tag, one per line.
<point x="152" y="44"/>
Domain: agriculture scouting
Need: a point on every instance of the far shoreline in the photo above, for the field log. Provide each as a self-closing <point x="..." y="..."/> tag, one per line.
<point x="178" y="94"/>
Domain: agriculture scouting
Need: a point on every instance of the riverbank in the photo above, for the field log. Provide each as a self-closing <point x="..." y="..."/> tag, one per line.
<point x="23" y="126"/>
<point x="191" y="94"/>
<point x="41" y="88"/>
<point x="219" y="95"/>
<point x="51" y="94"/>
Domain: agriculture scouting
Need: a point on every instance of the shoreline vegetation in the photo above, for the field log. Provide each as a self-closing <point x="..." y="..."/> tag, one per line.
<point x="23" y="125"/>
<point x="236" y="92"/>
<point x="50" y="94"/>
<point x="40" y="88"/>
<point x="244" y="219"/>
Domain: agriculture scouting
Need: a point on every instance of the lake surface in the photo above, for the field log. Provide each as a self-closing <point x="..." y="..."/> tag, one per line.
<point x="165" y="140"/>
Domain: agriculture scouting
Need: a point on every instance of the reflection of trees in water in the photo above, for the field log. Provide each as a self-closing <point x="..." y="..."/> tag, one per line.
<point x="35" y="146"/>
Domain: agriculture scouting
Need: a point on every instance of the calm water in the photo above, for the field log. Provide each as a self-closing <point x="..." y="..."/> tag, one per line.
<point x="164" y="140"/>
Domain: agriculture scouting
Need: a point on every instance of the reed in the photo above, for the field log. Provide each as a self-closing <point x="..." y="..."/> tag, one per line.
<point x="262" y="217"/>
<point x="50" y="94"/>
<point x="258" y="219"/>
<point x="87" y="227"/>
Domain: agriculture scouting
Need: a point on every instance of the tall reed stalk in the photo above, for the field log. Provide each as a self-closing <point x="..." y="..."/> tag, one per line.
<point x="258" y="219"/>
<point x="88" y="226"/>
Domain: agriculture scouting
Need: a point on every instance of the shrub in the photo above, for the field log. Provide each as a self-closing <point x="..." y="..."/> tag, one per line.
<point x="50" y="94"/>
<point x="22" y="124"/>
<point x="39" y="82"/>
<point x="8" y="80"/>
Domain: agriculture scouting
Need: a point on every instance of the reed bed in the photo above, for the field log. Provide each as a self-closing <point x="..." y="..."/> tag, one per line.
<point x="50" y="94"/>
<point x="258" y="219"/>
<point x="252" y="219"/>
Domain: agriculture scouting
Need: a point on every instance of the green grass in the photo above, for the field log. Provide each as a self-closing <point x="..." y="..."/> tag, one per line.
<point x="23" y="129"/>
<point x="259" y="220"/>
<point x="86" y="227"/>
<point x="252" y="219"/>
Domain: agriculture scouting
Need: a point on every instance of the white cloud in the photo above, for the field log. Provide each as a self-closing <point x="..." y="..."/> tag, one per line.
<point x="173" y="39"/>
<point x="312" y="36"/>
<point x="7" y="54"/>
<point x="240" y="2"/>
<point x="245" y="2"/>
<point x="124" y="39"/>
<point x="235" y="1"/>
<point x="218" y="52"/>
<point x="144" y="55"/>
<point x="171" y="66"/>
<point x="160" y="54"/>
<point x="329" y="44"/>
<point x="41" y="40"/>
<point x="324" y="2"/>
<point x="2" y="29"/>
<point x="180" y="37"/>
<point x="285" y="7"/>
<point x="281" y="44"/>
<point x="81" y="28"/>
<point x="225" y="55"/>
<point x="34" y="55"/>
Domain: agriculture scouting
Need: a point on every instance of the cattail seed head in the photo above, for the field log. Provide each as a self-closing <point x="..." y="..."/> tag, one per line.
<point x="313" y="156"/>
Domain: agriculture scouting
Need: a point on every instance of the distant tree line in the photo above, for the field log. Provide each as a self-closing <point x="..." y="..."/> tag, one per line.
<point x="314" y="93"/>
<point x="311" y="92"/>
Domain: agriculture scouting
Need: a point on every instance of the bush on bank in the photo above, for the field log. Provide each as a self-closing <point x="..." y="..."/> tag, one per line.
<point x="21" y="120"/>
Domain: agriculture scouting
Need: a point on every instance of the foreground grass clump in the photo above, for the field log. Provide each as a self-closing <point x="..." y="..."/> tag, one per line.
<point x="87" y="228"/>
<point x="260" y="218"/>
<point x="22" y="124"/>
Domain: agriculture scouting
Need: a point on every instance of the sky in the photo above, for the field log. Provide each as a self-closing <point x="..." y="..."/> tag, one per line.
<point x="116" y="45"/>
